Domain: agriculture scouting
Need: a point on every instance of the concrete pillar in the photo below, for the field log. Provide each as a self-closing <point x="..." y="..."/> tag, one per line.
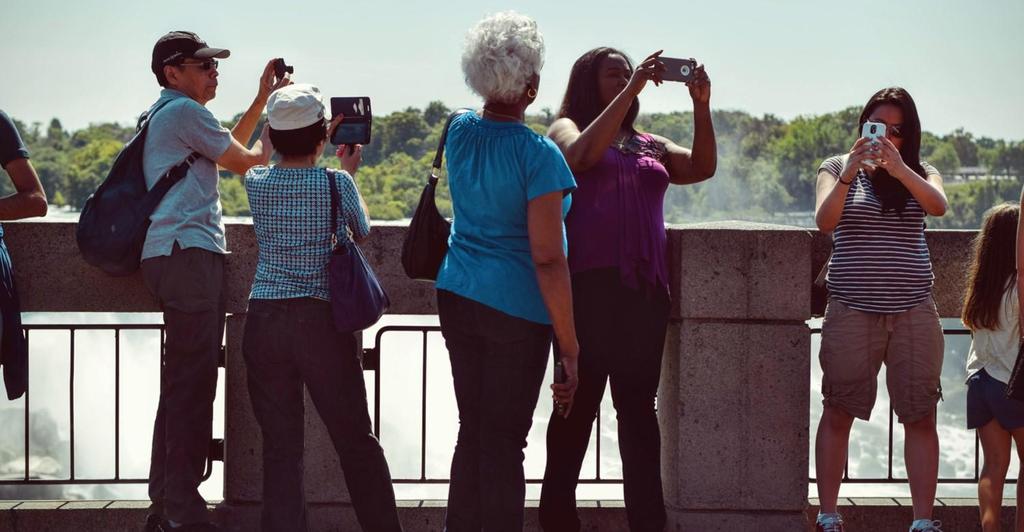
<point x="735" y="387"/>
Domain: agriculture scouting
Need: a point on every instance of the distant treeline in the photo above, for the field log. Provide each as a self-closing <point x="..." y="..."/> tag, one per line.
<point x="766" y="165"/>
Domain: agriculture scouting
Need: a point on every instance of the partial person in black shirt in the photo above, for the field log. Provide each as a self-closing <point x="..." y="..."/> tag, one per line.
<point x="27" y="201"/>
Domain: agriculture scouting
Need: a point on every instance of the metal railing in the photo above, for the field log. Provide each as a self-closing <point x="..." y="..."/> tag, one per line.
<point x="890" y="478"/>
<point x="28" y="478"/>
<point x="371" y="361"/>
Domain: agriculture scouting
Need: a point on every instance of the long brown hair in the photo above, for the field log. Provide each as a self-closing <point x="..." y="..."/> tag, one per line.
<point x="993" y="267"/>
<point x="582" y="102"/>
<point x="891" y="193"/>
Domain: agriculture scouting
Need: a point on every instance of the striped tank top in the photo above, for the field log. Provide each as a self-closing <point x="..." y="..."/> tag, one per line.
<point x="880" y="261"/>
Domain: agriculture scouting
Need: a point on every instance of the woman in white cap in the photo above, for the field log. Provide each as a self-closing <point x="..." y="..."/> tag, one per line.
<point x="290" y="339"/>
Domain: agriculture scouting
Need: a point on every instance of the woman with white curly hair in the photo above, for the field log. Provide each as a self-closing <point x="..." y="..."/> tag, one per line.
<point x="503" y="288"/>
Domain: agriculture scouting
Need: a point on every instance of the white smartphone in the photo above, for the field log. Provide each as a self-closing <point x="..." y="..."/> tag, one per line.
<point x="873" y="131"/>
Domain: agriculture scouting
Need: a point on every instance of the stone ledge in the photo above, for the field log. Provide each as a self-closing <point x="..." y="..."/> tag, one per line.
<point x="53" y="278"/>
<point x="416" y="516"/>
<point x="895" y="513"/>
<point x="882" y="513"/>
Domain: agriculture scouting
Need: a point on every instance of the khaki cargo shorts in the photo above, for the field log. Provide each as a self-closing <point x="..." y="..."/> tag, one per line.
<point x="854" y="344"/>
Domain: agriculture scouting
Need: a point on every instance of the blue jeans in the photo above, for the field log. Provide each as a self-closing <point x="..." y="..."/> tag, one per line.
<point x="289" y="343"/>
<point x="498" y="365"/>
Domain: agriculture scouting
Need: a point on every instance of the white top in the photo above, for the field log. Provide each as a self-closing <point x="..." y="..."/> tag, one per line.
<point x="995" y="350"/>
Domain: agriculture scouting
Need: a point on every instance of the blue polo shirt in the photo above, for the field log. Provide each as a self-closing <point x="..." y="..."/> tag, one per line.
<point x="190" y="213"/>
<point x="494" y="170"/>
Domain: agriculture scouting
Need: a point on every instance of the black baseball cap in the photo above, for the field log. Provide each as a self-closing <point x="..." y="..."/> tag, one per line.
<point x="176" y="46"/>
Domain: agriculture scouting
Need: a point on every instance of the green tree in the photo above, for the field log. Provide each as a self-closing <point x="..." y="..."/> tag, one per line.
<point x="89" y="166"/>
<point x="945" y="159"/>
<point x="966" y="149"/>
<point x="807" y="141"/>
<point x="435" y="112"/>
<point x="56" y="137"/>
<point x="233" y="198"/>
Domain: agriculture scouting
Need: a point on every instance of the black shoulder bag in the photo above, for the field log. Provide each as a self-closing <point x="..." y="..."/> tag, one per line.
<point x="426" y="243"/>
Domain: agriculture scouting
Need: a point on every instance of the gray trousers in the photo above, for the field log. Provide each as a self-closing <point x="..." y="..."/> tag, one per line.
<point x="189" y="284"/>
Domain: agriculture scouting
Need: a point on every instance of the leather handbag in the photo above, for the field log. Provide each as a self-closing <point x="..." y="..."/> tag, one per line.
<point x="1015" y="388"/>
<point x="426" y="242"/>
<point x="357" y="298"/>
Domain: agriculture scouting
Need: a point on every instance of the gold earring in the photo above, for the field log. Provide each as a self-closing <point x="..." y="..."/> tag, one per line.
<point x="532" y="93"/>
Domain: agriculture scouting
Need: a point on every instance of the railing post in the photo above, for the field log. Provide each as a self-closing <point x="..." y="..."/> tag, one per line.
<point x="734" y="391"/>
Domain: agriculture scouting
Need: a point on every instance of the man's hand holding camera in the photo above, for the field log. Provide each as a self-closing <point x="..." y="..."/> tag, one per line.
<point x="270" y="82"/>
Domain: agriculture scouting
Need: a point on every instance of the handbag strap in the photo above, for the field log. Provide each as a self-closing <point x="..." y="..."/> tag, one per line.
<point x="332" y="181"/>
<point x="435" y="169"/>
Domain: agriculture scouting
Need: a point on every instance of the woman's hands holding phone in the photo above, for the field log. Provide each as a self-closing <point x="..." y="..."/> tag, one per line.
<point x="890" y="159"/>
<point x="349" y="155"/>
<point x="649" y="70"/>
<point x="863" y="150"/>
<point x="700" y="87"/>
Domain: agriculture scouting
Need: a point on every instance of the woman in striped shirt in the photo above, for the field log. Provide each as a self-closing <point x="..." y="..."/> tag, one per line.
<point x="873" y="200"/>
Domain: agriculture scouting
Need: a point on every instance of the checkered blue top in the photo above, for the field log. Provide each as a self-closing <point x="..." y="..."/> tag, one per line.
<point x="291" y="214"/>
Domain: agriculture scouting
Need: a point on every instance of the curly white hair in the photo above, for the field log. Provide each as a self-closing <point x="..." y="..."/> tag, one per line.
<point x="502" y="52"/>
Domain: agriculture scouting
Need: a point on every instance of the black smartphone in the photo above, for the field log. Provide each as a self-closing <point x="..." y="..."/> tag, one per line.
<point x="559" y="379"/>
<point x="678" y="69"/>
<point x="280" y="68"/>
<point x="355" y="126"/>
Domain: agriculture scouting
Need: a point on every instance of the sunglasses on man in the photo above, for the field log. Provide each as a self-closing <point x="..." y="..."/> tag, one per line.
<point x="205" y="65"/>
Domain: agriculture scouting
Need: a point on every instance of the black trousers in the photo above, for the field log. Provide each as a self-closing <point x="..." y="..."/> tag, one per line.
<point x="189" y="285"/>
<point x="498" y="365"/>
<point x="289" y="343"/>
<point x="622" y="334"/>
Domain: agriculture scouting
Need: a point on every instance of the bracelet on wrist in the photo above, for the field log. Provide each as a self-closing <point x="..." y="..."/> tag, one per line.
<point x="850" y="182"/>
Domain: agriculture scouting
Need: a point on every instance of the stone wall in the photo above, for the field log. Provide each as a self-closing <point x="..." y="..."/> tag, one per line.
<point x="734" y="396"/>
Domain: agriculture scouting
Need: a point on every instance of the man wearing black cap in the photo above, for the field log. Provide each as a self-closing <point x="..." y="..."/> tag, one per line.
<point x="183" y="263"/>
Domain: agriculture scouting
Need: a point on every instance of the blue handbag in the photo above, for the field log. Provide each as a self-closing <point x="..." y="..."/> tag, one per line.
<point x="357" y="298"/>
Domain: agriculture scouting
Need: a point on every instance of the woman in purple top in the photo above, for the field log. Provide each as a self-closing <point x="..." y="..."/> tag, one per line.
<point x="617" y="258"/>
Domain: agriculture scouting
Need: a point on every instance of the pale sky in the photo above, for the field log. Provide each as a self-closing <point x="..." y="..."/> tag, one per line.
<point x="88" y="61"/>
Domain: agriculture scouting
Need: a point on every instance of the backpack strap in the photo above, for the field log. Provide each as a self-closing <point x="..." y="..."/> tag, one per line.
<point x="144" y="117"/>
<point x="179" y="171"/>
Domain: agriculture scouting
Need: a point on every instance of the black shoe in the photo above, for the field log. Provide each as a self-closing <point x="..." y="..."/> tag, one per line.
<point x="156" y="523"/>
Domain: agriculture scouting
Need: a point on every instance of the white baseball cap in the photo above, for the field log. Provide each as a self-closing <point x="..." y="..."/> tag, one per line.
<point x="295" y="106"/>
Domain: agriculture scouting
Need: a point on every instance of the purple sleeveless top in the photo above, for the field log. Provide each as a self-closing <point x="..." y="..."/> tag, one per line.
<point x="617" y="218"/>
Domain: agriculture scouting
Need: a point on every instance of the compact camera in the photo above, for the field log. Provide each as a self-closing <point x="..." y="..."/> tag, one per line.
<point x="280" y="68"/>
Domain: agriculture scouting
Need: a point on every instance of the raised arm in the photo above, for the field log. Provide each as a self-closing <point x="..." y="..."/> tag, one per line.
<point x="240" y="159"/>
<point x="583" y="149"/>
<point x="693" y="166"/>
<point x="927" y="190"/>
<point x="242" y="131"/>
<point x="830" y="191"/>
